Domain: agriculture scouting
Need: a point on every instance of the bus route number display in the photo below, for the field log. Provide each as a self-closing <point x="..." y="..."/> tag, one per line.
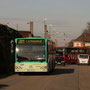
<point x="30" y="41"/>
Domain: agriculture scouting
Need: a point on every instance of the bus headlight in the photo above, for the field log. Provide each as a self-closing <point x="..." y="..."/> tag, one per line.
<point x="18" y="67"/>
<point x="17" y="49"/>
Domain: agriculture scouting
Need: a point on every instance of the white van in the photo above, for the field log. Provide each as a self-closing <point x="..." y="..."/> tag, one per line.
<point x="83" y="59"/>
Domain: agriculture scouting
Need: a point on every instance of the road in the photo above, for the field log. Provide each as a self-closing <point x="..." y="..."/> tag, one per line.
<point x="70" y="77"/>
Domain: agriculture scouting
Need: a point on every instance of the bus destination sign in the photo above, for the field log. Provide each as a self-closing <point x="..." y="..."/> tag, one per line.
<point x="30" y="41"/>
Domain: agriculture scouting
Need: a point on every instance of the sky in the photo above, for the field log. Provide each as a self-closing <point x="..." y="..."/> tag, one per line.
<point x="66" y="16"/>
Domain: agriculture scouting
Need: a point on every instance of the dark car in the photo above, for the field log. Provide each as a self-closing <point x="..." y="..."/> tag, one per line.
<point x="60" y="60"/>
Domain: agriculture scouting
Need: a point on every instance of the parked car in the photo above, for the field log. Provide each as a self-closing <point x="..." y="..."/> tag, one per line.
<point x="83" y="59"/>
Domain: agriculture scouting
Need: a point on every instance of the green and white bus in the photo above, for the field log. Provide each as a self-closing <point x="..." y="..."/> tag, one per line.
<point x="35" y="54"/>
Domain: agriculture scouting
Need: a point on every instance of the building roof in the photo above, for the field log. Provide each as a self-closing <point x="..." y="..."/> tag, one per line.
<point x="8" y="32"/>
<point x="83" y="37"/>
<point x="26" y="33"/>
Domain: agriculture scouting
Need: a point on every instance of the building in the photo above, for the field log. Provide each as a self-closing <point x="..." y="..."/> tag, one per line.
<point x="26" y="34"/>
<point x="82" y="41"/>
<point x="7" y="48"/>
<point x="78" y="44"/>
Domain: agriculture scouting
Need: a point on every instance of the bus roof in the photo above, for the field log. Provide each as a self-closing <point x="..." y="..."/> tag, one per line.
<point x="35" y="38"/>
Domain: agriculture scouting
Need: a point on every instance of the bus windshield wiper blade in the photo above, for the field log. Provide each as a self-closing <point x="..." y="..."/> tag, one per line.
<point x="21" y="59"/>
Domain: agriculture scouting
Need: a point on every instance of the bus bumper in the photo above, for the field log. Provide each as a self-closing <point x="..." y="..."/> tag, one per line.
<point x="31" y="67"/>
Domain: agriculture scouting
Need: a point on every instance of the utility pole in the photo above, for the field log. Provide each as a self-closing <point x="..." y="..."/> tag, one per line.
<point x="64" y="39"/>
<point x="50" y="28"/>
<point x="45" y="28"/>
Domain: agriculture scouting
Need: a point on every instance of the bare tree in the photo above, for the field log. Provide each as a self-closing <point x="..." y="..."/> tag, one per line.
<point x="87" y="30"/>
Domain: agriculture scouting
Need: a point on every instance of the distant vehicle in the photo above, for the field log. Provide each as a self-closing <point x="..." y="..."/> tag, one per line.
<point x="73" y="53"/>
<point x="83" y="59"/>
<point x="60" y="60"/>
<point x="34" y="54"/>
<point x="70" y="54"/>
<point x="62" y="51"/>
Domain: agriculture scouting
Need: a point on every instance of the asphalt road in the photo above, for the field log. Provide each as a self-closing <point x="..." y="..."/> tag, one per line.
<point x="70" y="77"/>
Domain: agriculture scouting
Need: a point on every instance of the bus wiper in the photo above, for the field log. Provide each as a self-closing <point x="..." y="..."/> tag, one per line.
<point x="22" y="59"/>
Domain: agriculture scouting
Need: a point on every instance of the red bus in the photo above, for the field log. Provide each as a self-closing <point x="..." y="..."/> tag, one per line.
<point x="73" y="53"/>
<point x="70" y="53"/>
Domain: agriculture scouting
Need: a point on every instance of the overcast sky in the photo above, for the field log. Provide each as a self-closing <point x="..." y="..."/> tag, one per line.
<point x="66" y="16"/>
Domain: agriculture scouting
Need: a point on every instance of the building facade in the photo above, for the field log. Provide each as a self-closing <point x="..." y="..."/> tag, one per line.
<point x="78" y="44"/>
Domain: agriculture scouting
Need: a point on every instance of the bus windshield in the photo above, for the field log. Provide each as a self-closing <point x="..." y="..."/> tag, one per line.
<point x="83" y="56"/>
<point x="30" y="52"/>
